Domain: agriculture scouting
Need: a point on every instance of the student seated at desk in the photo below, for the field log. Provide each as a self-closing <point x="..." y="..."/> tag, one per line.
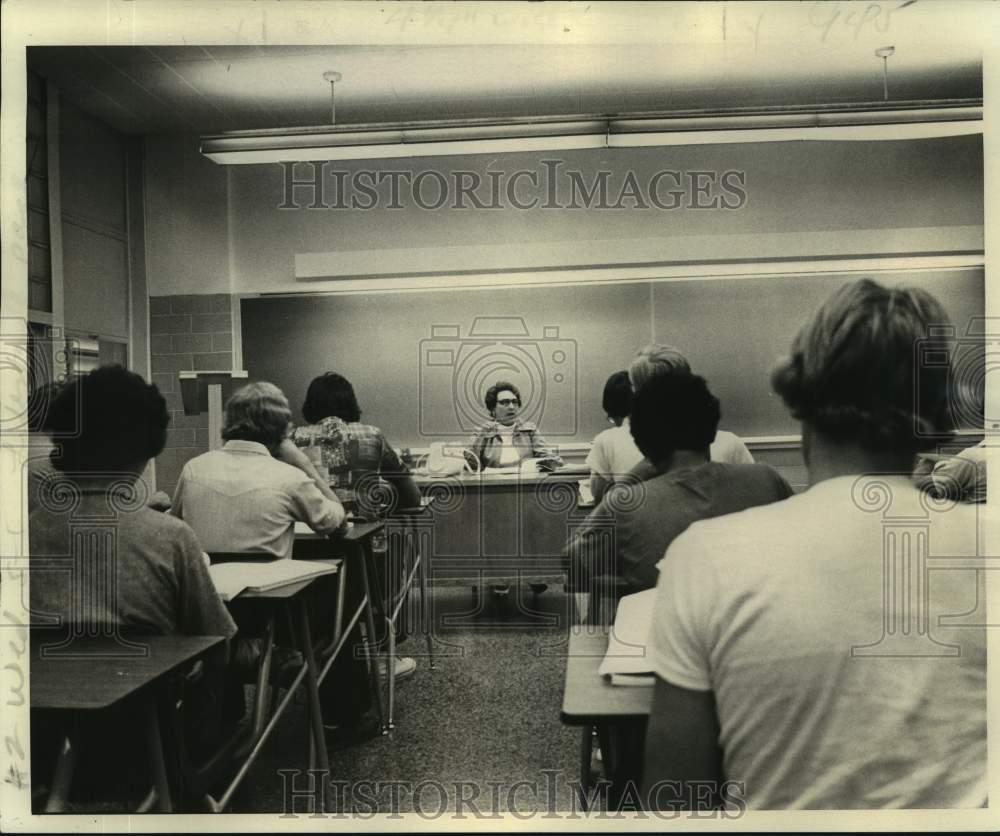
<point x="111" y="422"/>
<point x="357" y="458"/>
<point x="674" y="419"/>
<point x="803" y="649"/>
<point x="613" y="453"/>
<point x="364" y="471"/>
<point x="652" y="361"/>
<point x="247" y="497"/>
<point x="41" y="445"/>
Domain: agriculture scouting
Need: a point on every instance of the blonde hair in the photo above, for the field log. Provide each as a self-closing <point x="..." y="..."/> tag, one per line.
<point x="257" y="412"/>
<point x="653" y="360"/>
<point x="855" y="372"/>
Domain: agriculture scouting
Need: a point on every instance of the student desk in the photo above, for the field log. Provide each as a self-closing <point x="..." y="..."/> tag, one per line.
<point x="618" y="711"/>
<point x="406" y="535"/>
<point x="497" y="524"/>
<point x="287" y="597"/>
<point x="88" y="676"/>
<point x="355" y="545"/>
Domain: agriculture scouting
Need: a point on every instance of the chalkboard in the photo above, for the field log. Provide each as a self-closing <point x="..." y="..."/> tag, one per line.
<point x="421" y="361"/>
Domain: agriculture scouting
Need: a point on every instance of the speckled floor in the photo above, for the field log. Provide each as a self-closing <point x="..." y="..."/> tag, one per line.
<point x="483" y="726"/>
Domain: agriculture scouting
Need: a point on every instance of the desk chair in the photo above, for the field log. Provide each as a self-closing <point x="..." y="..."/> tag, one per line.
<point x="95" y="678"/>
<point x="409" y="534"/>
<point x="604" y="593"/>
<point x="197" y="777"/>
<point x="264" y="720"/>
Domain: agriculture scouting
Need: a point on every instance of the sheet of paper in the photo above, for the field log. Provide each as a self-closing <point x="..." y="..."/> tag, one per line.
<point x="233" y="578"/>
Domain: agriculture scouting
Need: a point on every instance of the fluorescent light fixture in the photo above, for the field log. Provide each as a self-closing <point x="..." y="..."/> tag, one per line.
<point x="857" y="125"/>
<point x="306" y="144"/>
<point x="367" y="142"/>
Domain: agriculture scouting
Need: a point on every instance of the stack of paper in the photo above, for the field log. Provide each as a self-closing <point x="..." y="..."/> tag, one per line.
<point x="232" y="579"/>
<point x="627" y="660"/>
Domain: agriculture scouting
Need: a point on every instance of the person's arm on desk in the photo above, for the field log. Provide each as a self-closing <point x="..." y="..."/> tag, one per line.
<point x="586" y="553"/>
<point x="477" y="445"/>
<point x="540" y="448"/>
<point x="398" y="475"/>
<point x="322" y="515"/>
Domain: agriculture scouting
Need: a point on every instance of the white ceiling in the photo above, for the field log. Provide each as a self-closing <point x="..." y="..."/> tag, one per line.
<point x="204" y="89"/>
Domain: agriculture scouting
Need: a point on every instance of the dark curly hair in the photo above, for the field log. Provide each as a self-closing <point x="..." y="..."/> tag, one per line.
<point x="496" y="389"/>
<point x="331" y="395"/>
<point x="107" y="420"/>
<point x="674" y="412"/>
<point x="617" y="398"/>
<point x="854" y="373"/>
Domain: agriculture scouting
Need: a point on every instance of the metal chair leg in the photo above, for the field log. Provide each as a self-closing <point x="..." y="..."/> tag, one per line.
<point x="154" y="748"/>
<point x="369" y="644"/>
<point x="425" y="623"/>
<point x="390" y="669"/>
<point x="62" y="778"/>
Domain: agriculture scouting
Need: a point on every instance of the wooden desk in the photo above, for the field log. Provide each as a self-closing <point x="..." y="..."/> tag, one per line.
<point x="619" y="712"/>
<point x="96" y="679"/>
<point x="499" y="524"/>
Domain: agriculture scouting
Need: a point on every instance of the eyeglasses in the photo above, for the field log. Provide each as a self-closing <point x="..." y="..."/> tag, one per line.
<point x="509" y="401"/>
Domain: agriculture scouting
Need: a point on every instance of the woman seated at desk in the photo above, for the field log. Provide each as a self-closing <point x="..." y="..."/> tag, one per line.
<point x="356" y="456"/>
<point x="506" y="440"/>
<point x="361" y="467"/>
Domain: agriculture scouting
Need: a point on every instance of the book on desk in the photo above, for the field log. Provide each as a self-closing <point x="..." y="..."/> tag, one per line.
<point x="627" y="660"/>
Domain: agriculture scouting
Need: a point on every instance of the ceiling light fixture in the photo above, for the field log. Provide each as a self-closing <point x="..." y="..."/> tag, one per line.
<point x="884" y="52"/>
<point x="333" y="77"/>
<point x="915" y="120"/>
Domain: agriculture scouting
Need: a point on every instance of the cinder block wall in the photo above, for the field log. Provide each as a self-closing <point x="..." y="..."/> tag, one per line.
<point x="186" y="332"/>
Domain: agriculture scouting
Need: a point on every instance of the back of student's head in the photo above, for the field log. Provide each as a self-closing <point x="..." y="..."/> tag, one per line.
<point x="330" y="396"/>
<point x="654" y="360"/>
<point x="674" y="412"/>
<point x="257" y="412"/>
<point x="854" y="373"/>
<point x="107" y="421"/>
<point x="617" y="398"/>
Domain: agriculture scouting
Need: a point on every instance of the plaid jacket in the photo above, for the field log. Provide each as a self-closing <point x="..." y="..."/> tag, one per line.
<point x="359" y="460"/>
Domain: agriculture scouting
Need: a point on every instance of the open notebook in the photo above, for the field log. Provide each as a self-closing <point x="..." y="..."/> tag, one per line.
<point x="627" y="659"/>
<point x="231" y="579"/>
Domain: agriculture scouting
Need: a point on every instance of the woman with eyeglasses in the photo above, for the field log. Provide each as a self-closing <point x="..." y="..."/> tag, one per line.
<point x="506" y="440"/>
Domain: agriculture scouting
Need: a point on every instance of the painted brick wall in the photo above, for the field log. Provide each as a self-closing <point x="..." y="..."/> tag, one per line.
<point x="186" y="332"/>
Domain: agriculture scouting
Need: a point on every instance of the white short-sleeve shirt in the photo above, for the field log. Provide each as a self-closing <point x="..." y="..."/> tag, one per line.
<point x="826" y="697"/>
<point x="613" y="453"/>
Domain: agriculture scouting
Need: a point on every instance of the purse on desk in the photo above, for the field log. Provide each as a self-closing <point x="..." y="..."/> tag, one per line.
<point x="444" y="461"/>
